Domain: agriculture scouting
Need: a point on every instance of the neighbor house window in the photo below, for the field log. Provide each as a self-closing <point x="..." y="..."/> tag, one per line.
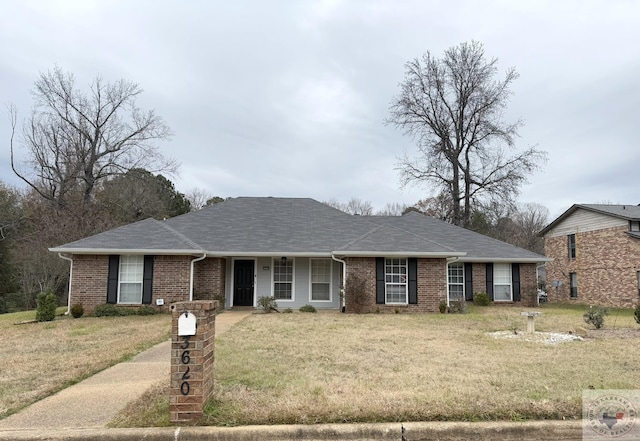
<point x="502" y="291"/>
<point x="571" y="243"/>
<point x="283" y="279"/>
<point x="130" y="279"/>
<point x="634" y="226"/>
<point x="456" y="281"/>
<point x="573" y="279"/>
<point x="320" y="279"/>
<point x="395" y="275"/>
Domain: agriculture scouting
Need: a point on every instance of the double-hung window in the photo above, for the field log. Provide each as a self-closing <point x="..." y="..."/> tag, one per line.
<point x="502" y="290"/>
<point x="130" y="279"/>
<point x="283" y="279"/>
<point x="395" y="275"/>
<point x="456" y="281"/>
<point x="573" y="281"/>
<point x="571" y="245"/>
<point x="320" y="280"/>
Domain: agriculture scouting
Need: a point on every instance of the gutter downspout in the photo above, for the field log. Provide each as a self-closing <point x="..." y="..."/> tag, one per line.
<point x="344" y="281"/>
<point x="538" y="266"/>
<point x="70" y="279"/>
<point x="450" y="260"/>
<point x="197" y="259"/>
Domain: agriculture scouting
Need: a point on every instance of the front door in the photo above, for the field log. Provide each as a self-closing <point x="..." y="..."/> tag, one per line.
<point x="243" y="283"/>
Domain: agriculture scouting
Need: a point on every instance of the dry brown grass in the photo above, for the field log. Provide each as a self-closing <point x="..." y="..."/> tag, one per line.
<point x="328" y="367"/>
<point x="38" y="359"/>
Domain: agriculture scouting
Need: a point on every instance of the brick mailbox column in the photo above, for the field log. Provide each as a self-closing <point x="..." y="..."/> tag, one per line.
<point x="192" y="355"/>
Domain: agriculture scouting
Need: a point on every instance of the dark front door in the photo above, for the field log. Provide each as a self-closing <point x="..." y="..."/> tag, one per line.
<point x="243" y="283"/>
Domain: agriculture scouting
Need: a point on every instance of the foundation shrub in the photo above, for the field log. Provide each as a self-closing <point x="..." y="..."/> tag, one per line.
<point x="77" y="310"/>
<point x="268" y="304"/>
<point x="146" y="310"/>
<point x="481" y="299"/>
<point x="458" y="307"/>
<point x="307" y="308"/>
<point x="47" y="304"/>
<point x="636" y="314"/>
<point x="108" y="310"/>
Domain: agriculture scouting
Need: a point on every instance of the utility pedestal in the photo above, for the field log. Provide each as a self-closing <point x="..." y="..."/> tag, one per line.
<point x="192" y="354"/>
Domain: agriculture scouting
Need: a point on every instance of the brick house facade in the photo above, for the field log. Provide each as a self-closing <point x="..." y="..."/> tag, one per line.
<point x="596" y="256"/>
<point x="295" y="250"/>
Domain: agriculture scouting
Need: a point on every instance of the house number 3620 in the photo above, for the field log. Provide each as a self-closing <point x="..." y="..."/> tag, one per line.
<point x="185" y="358"/>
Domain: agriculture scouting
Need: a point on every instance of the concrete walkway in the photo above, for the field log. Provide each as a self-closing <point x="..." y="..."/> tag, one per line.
<point x="95" y="401"/>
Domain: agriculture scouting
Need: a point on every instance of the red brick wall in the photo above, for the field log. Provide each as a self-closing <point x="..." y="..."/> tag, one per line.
<point x="479" y="277"/>
<point x="528" y="284"/>
<point x="89" y="284"/>
<point x="431" y="285"/>
<point x="171" y="277"/>
<point x="209" y="279"/>
<point x="364" y="267"/>
<point x="606" y="265"/>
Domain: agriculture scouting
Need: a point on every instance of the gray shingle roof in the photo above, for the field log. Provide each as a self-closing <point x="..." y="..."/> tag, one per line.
<point x="293" y="226"/>
<point x="628" y="212"/>
<point x="145" y="235"/>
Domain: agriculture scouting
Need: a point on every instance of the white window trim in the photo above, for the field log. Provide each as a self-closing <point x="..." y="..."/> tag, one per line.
<point x="330" y="281"/>
<point x="406" y="282"/>
<point x="120" y="280"/>
<point x="293" y="280"/>
<point x="449" y="299"/>
<point x="510" y="284"/>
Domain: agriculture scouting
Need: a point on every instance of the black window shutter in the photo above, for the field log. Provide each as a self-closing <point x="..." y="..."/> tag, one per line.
<point x="380" y="280"/>
<point x="413" y="281"/>
<point x="515" y="281"/>
<point x="490" y="280"/>
<point x="147" y="280"/>
<point x="112" y="281"/>
<point x="468" y="281"/>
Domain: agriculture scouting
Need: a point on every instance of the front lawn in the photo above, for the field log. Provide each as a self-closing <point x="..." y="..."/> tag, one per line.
<point x="38" y="359"/>
<point x="331" y="367"/>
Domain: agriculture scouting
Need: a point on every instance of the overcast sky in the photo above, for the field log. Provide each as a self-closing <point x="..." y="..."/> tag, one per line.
<point x="288" y="98"/>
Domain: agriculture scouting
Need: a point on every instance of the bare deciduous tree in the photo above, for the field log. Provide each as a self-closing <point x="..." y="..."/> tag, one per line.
<point x="198" y="198"/>
<point x="355" y="206"/>
<point x="436" y="206"/>
<point x="454" y="108"/>
<point x="75" y="140"/>
<point x="531" y="218"/>
<point x="392" y="209"/>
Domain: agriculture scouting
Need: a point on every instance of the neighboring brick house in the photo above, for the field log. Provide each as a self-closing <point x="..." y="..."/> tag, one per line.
<point x="299" y="251"/>
<point x="596" y="255"/>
